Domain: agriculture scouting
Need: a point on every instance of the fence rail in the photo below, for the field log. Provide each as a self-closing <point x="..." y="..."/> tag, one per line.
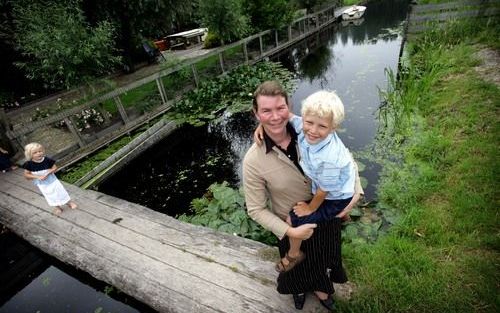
<point x="426" y="16"/>
<point x="90" y="125"/>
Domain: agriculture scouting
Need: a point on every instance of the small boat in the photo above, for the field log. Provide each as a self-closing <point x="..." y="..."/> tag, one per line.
<point x="354" y="12"/>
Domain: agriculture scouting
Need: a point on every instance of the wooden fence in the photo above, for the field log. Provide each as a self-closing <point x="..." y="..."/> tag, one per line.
<point x="426" y="16"/>
<point x="72" y="133"/>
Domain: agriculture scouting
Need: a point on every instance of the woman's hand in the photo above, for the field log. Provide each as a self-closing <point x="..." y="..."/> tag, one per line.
<point x="301" y="232"/>
<point x="258" y="135"/>
<point x="302" y="209"/>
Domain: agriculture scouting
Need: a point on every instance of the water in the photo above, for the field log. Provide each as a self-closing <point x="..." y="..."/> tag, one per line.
<point x="32" y="282"/>
<point x="349" y="59"/>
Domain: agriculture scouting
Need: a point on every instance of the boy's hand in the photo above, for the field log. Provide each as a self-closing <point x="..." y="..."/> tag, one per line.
<point x="258" y="135"/>
<point x="302" y="209"/>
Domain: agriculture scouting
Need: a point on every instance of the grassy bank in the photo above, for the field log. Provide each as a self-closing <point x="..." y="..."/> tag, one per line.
<point x="442" y="127"/>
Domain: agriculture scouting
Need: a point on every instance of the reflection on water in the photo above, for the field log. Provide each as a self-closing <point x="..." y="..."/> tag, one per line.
<point x="351" y="60"/>
<point x="179" y="168"/>
<point x="34" y="282"/>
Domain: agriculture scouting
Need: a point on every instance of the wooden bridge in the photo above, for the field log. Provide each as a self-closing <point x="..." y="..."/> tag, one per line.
<point x="169" y="265"/>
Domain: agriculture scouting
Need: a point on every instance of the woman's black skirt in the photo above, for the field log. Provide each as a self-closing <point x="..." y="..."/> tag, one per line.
<point x="322" y="265"/>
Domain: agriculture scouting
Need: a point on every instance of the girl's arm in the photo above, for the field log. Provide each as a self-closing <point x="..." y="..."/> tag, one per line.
<point x="29" y="175"/>
<point x="303" y="209"/>
<point x="52" y="170"/>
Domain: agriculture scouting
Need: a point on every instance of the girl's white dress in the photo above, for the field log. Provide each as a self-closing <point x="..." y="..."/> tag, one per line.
<point x="51" y="188"/>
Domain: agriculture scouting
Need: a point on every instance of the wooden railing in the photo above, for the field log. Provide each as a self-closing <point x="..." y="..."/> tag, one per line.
<point x="125" y="108"/>
<point x="425" y="16"/>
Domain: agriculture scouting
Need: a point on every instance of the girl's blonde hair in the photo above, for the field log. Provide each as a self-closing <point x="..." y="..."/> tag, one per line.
<point x="324" y="104"/>
<point x="29" y="148"/>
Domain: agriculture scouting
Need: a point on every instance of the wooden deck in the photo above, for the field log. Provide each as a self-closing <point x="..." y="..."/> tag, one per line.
<point x="169" y="265"/>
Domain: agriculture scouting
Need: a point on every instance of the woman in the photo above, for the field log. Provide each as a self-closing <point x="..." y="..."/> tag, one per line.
<point x="271" y="172"/>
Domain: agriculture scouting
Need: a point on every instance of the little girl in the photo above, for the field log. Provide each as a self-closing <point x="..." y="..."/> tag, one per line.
<point x="41" y="170"/>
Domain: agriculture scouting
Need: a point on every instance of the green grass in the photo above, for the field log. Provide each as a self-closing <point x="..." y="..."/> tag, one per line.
<point x="443" y="256"/>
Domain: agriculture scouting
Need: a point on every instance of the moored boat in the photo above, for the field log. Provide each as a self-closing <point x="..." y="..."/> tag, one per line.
<point x="354" y="12"/>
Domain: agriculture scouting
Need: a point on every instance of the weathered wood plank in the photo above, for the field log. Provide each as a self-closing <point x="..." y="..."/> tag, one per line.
<point x="445" y="16"/>
<point x="170" y="265"/>
<point x="424" y="8"/>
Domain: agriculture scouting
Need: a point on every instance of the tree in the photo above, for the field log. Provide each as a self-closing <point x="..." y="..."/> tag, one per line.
<point x="58" y="45"/>
<point x="225" y="18"/>
<point x="138" y="19"/>
<point x="268" y="14"/>
<point x="309" y="4"/>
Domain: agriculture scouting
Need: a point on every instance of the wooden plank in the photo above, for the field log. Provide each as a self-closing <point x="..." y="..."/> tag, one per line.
<point x="451" y="15"/>
<point x="170" y="265"/>
<point x="425" y="8"/>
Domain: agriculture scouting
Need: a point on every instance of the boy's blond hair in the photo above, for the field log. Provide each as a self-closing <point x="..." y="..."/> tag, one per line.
<point x="29" y="148"/>
<point x="324" y="104"/>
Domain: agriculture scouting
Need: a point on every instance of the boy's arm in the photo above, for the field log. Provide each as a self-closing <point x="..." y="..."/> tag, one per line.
<point x="303" y="209"/>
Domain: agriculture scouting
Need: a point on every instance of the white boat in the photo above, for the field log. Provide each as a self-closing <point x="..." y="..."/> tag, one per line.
<point x="354" y="12"/>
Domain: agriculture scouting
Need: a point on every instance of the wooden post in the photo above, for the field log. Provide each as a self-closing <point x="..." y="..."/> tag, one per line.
<point x="103" y="112"/>
<point x="76" y="134"/>
<point x="276" y="38"/>
<point x="161" y="89"/>
<point x="221" y="61"/>
<point x="195" y="75"/>
<point x="121" y="109"/>
<point x="245" y="51"/>
<point x="289" y="32"/>
<point x="261" y="46"/>
<point x="317" y="20"/>
<point x="4" y="120"/>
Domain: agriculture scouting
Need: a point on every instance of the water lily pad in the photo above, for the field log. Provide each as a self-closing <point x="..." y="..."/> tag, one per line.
<point x="364" y="181"/>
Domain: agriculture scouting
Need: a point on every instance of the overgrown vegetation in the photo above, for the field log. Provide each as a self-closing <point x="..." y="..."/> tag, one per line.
<point x="223" y="208"/>
<point x="59" y="47"/>
<point x="441" y="136"/>
<point x="231" y="92"/>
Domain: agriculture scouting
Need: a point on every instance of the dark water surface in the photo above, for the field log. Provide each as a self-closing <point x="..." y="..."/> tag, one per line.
<point x="348" y="59"/>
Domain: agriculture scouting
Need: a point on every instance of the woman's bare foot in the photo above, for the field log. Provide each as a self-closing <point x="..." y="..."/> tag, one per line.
<point x="57" y="211"/>
<point x="72" y="205"/>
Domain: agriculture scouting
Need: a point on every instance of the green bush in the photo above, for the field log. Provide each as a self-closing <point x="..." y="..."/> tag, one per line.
<point x="212" y="40"/>
<point x="223" y="208"/>
<point x="58" y="45"/>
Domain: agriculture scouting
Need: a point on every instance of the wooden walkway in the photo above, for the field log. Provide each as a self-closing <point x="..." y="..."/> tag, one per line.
<point x="167" y="264"/>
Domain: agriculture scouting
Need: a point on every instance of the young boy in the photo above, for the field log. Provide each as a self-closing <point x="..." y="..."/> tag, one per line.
<point x="327" y="162"/>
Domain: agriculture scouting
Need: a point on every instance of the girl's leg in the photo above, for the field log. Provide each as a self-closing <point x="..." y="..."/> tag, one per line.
<point x="72" y="204"/>
<point x="57" y="211"/>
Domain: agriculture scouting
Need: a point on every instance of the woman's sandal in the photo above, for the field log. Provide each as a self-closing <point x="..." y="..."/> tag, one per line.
<point x="299" y="300"/>
<point x="292" y="262"/>
<point x="328" y="303"/>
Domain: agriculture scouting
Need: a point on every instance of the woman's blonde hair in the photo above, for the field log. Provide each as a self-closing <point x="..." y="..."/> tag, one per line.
<point x="324" y="104"/>
<point x="29" y="148"/>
